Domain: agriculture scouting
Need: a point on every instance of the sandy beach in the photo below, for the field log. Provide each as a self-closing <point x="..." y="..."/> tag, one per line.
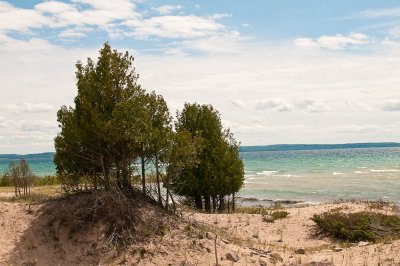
<point x="238" y="239"/>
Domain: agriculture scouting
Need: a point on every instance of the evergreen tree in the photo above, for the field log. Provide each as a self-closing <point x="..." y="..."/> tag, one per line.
<point x="97" y="136"/>
<point x="220" y="170"/>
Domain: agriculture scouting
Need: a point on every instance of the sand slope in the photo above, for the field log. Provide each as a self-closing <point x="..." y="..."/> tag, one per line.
<point x="27" y="238"/>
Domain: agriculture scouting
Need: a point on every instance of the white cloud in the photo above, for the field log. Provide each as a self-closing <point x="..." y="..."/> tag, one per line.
<point x="302" y="95"/>
<point x="395" y="31"/>
<point x="37" y="126"/>
<point x="27" y="107"/>
<point x="116" y="9"/>
<point x="19" y="19"/>
<point x="228" y="43"/>
<point x="189" y="26"/>
<point x="335" y="42"/>
<point x="54" y="7"/>
<point x="274" y="104"/>
<point x="280" y="105"/>
<point x="306" y="43"/>
<point x="74" y="32"/>
<point x="238" y="103"/>
<point x="310" y="106"/>
<point x="26" y="136"/>
<point x="55" y="14"/>
<point x="374" y="13"/>
<point x="323" y="91"/>
<point x="391" y="106"/>
<point x="221" y="15"/>
<point x="167" y="9"/>
<point x="73" y="20"/>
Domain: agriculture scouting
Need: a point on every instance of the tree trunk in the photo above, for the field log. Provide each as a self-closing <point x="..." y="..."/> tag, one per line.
<point x="207" y="203"/>
<point x="173" y="201"/>
<point x="15" y="186"/>
<point x="198" y="202"/>
<point x="221" y="203"/>
<point x="233" y="202"/>
<point x="94" y="173"/>
<point x="166" y="185"/>
<point x="229" y="203"/>
<point x="119" y="182"/>
<point x="158" y="181"/>
<point x="125" y="175"/>
<point x="105" y="173"/>
<point x="167" y="199"/>
<point x="214" y="204"/>
<point x="143" y="171"/>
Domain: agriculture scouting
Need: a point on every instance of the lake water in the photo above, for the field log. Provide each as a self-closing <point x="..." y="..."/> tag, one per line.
<point x="314" y="174"/>
<point x="323" y="175"/>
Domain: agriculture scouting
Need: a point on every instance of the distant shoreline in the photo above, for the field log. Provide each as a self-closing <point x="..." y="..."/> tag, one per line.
<point x="245" y="148"/>
<point x="295" y="147"/>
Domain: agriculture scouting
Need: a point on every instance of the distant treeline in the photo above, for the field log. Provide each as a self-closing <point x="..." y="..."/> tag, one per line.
<point x="294" y="147"/>
<point x="34" y="156"/>
<point x="275" y="147"/>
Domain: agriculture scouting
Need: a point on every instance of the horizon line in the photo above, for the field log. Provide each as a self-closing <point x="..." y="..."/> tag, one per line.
<point x="264" y="145"/>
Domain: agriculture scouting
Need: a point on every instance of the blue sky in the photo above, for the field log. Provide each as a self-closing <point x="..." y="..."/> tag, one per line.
<point x="278" y="71"/>
<point x="268" y="20"/>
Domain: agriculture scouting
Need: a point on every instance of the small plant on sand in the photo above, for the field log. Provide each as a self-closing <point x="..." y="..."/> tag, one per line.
<point x="378" y="205"/>
<point x="252" y="210"/>
<point x="359" y="226"/>
<point x="271" y="217"/>
<point x="256" y="234"/>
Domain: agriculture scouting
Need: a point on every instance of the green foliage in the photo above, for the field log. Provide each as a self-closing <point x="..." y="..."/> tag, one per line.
<point x="21" y="177"/>
<point x="112" y="122"/>
<point x="5" y="180"/>
<point x="219" y="171"/>
<point x="47" y="180"/>
<point x="359" y="226"/>
<point x="98" y="134"/>
<point x="272" y="216"/>
<point x="253" y="210"/>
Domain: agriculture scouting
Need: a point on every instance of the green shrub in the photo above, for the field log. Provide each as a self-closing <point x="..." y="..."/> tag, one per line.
<point x="279" y="214"/>
<point x="47" y="180"/>
<point x="359" y="226"/>
<point x="252" y="210"/>
<point x="271" y="217"/>
<point x="5" y="180"/>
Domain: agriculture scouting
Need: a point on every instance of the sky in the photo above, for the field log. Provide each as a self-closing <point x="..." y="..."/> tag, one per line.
<point x="305" y="71"/>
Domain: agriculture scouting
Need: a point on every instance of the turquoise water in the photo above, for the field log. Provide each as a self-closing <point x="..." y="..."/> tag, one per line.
<point x="40" y="164"/>
<point x="323" y="175"/>
<point x="312" y="173"/>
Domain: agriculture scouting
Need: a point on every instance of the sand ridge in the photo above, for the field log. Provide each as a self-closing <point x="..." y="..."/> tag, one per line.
<point x="239" y="239"/>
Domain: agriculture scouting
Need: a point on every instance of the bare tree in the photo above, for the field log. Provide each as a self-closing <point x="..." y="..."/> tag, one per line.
<point x="21" y="176"/>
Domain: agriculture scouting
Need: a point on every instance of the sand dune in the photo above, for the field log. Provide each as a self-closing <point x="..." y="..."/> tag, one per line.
<point x="241" y="239"/>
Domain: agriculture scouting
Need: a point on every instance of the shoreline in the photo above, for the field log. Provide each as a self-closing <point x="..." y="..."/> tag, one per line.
<point x="242" y="201"/>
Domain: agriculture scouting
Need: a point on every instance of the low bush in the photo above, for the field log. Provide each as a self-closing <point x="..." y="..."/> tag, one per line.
<point x="5" y="180"/>
<point x="252" y="210"/>
<point x="47" y="180"/>
<point x="359" y="226"/>
<point x="271" y="217"/>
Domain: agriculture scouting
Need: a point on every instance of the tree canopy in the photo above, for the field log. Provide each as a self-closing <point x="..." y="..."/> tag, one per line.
<point x="116" y="132"/>
<point x="220" y="170"/>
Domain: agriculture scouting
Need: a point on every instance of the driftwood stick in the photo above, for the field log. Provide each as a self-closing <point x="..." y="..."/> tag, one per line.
<point x="215" y="247"/>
